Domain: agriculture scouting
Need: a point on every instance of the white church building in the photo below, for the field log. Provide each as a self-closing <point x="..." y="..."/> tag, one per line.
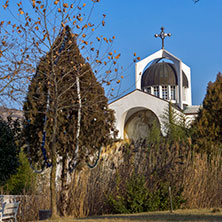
<point x="159" y="79"/>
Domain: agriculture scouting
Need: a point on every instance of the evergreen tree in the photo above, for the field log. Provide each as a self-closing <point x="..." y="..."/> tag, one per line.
<point x="8" y="151"/>
<point x="65" y="90"/>
<point x="175" y="125"/>
<point x="207" y="128"/>
<point x="23" y="180"/>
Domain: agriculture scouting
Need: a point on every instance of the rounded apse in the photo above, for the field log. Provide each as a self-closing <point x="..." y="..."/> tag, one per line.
<point x="139" y="125"/>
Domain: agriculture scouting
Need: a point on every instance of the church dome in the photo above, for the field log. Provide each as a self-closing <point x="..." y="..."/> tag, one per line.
<point x="163" y="73"/>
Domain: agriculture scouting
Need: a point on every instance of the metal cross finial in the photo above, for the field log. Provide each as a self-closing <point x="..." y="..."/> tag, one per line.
<point x="162" y="35"/>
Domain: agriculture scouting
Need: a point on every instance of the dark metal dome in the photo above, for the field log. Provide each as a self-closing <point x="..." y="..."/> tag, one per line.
<point x="163" y="73"/>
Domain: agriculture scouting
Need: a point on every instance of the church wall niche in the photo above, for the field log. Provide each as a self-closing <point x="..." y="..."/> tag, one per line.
<point x="138" y="124"/>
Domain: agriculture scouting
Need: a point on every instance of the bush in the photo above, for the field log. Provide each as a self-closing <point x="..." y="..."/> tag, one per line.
<point x="138" y="198"/>
<point x="23" y="181"/>
<point x="134" y="200"/>
<point x="8" y="150"/>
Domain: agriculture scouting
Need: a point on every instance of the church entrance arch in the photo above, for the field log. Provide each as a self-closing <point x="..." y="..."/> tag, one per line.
<point x="139" y="123"/>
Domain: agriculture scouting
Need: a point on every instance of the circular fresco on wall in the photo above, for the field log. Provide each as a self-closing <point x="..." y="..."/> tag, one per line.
<point x="139" y="125"/>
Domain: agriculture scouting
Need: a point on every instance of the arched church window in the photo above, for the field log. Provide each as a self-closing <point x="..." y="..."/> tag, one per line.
<point x="173" y="92"/>
<point x="156" y="91"/>
<point x="164" y="92"/>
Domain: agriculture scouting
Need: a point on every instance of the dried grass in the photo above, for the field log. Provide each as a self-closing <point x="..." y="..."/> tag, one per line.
<point x="173" y="163"/>
<point x="202" y="183"/>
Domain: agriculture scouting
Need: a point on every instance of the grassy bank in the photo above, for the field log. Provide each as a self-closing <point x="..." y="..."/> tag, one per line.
<point x="202" y="215"/>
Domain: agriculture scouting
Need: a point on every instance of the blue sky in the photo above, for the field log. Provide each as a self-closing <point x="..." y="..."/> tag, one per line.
<point x="196" y="35"/>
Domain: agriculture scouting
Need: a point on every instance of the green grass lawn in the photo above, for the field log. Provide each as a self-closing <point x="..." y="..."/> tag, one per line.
<point x="203" y="215"/>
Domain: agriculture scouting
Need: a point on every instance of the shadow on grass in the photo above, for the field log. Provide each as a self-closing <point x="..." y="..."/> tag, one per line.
<point x="158" y="217"/>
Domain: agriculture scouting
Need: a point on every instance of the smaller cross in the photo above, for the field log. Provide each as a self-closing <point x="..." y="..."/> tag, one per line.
<point x="162" y="35"/>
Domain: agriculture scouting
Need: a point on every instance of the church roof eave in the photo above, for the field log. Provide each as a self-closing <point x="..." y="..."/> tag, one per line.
<point x="158" y="98"/>
<point x="162" y="53"/>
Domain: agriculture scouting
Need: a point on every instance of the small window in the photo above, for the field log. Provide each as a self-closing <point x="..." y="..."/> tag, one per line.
<point x="164" y="92"/>
<point x="148" y="90"/>
<point x="156" y="91"/>
<point x="173" y="92"/>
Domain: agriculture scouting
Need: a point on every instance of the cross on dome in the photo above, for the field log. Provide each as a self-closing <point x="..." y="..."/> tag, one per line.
<point x="162" y="35"/>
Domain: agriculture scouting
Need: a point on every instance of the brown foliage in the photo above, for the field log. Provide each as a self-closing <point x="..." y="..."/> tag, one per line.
<point x="30" y="206"/>
<point x="90" y="188"/>
<point x="174" y="164"/>
<point x="202" y="184"/>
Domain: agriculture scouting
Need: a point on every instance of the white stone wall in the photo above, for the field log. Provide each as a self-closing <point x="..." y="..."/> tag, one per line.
<point x="137" y="100"/>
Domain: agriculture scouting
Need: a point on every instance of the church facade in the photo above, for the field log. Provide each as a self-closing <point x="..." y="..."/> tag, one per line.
<point x="160" y="79"/>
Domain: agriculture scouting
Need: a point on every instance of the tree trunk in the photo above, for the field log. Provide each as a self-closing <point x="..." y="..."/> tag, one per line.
<point x="53" y="188"/>
<point x="65" y="180"/>
<point x="78" y="118"/>
<point x="53" y="169"/>
<point x="64" y="187"/>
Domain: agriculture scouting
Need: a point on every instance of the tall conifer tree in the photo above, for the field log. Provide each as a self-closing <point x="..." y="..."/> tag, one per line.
<point x="208" y="125"/>
<point x="65" y="90"/>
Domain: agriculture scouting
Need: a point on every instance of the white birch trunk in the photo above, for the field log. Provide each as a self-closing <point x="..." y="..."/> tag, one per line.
<point x="78" y="119"/>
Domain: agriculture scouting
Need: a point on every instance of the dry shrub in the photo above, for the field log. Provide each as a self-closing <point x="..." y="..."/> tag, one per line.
<point x="172" y="163"/>
<point x="37" y="199"/>
<point x="202" y="182"/>
<point x="31" y="202"/>
<point x="87" y="195"/>
<point x="91" y="188"/>
<point x="77" y="198"/>
<point x="30" y="206"/>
